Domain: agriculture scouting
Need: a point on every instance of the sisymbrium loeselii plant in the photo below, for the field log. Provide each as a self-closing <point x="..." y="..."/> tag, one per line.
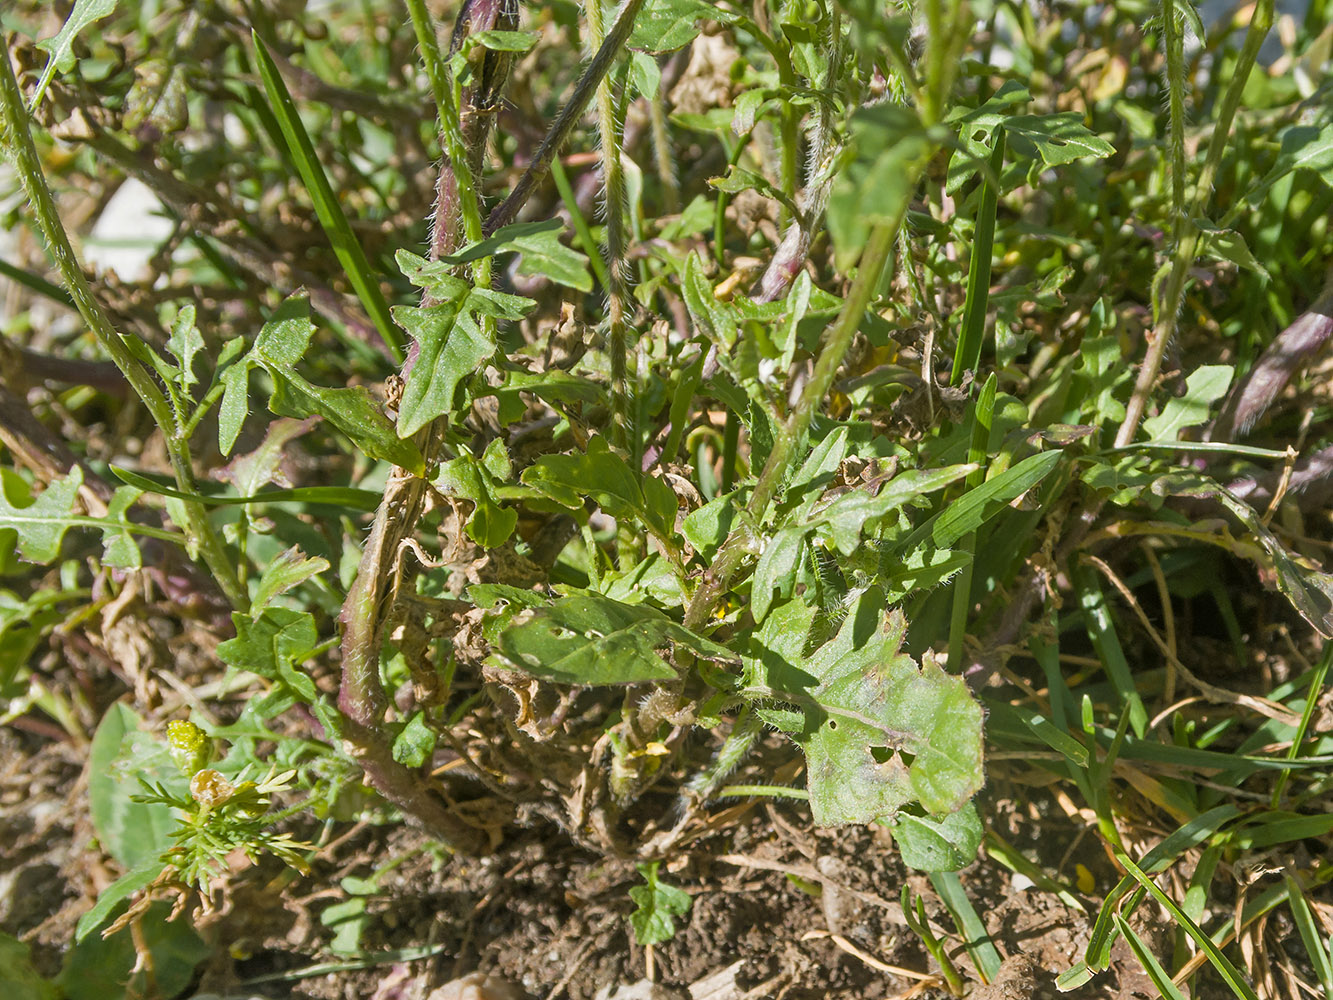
<point x="762" y="405"/>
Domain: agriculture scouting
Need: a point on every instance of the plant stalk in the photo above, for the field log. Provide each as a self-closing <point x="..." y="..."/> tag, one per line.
<point x="508" y="210"/>
<point x="16" y="138"/>
<point x="464" y="130"/>
<point x="737" y="546"/>
<point x="1187" y="234"/>
<point x="613" y="177"/>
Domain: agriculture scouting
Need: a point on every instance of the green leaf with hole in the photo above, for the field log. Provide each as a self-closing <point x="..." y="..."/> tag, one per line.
<point x="490" y="524"/>
<point x="879" y="731"/>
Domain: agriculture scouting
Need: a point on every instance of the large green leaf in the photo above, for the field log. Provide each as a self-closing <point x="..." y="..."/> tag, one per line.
<point x="452" y="347"/>
<point x="586" y="638"/>
<point x="21" y="978"/>
<point x="134" y="833"/>
<point x="606" y="479"/>
<point x="878" y="731"/>
<point x="98" y="969"/>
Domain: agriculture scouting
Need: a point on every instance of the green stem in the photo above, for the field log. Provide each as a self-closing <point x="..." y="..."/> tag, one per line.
<point x="1187" y="235"/>
<point x="737" y="547"/>
<point x="581" y="228"/>
<point x="16" y="139"/>
<point x="444" y="90"/>
<point x="613" y="178"/>
<point x="666" y="166"/>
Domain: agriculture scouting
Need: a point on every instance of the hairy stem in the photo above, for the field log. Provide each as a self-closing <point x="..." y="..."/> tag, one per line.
<point x="508" y="210"/>
<point x="1187" y="235"/>
<point x="464" y="129"/>
<point x="16" y="139"/>
<point x="666" y="166"/>
<point x="737" y="547"/>
<point x="613" y="177"/>
<point x="792" y="252"/>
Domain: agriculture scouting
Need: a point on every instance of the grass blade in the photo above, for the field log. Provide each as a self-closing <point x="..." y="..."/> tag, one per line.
<point x="329" y="211"/>
<point x="346" y="497"/>
<point x="36" y="283"/>
<point x="983" y="410"/>
<point x="1101" y="630"/>
<point x="975" y="936"/>
<point x="1220" y="962"/>
<point x="967" y="355"/>
<point x="1148" y="960"/>
<point x="1315" y="946"/>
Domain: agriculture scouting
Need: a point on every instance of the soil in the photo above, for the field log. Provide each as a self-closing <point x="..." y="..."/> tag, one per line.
<point x="779" y="909"/>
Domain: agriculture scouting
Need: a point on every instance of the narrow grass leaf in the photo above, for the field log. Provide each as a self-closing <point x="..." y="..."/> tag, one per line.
<point x="1229" y="973"/>
<point x="967" y="355"/>
<point x="1315" y="946"/>
<point x="327" y="207"/>
<point x="975" y="937"/>
<point x="329" y="496"/>
<point x="1159" y="976"/>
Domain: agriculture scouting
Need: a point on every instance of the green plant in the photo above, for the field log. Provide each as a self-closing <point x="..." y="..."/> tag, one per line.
<point x="817" y="424"/>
